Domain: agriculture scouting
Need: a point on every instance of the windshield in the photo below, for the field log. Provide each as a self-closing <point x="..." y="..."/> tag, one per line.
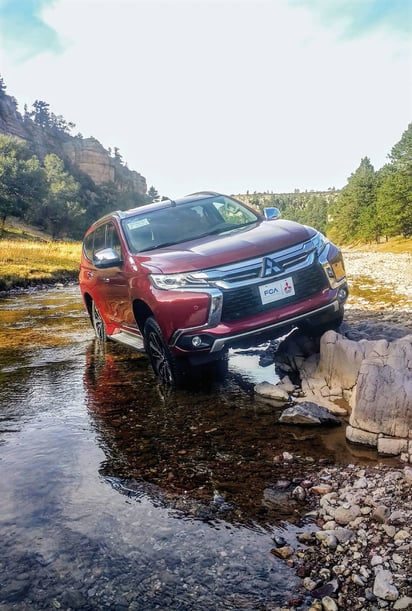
<point x="182" y="223"/>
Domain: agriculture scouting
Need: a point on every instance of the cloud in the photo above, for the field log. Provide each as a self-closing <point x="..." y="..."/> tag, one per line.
<point x="360" y="17"/>
<point x="24" y="31"/>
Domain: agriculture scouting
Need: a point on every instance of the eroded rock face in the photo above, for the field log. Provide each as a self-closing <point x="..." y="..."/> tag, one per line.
<point x="93" y="159"/>
<point x="374" y="377"/>
<point x="383" y="400"/>
<point x="85" y="153"/>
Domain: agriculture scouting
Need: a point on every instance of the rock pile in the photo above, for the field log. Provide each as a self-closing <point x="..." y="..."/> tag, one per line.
<point x="356" y="551"/>
<point x="369" y="379"/>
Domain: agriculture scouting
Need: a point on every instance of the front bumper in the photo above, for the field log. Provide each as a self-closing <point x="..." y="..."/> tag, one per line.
<point x="238" y="313"/>
<point x="211" y="341"/>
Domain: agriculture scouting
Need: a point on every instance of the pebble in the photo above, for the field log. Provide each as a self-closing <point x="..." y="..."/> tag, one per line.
<point x="359" y="539"/>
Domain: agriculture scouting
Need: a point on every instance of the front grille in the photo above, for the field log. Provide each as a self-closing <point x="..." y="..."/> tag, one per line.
<point x="245" y="301"/>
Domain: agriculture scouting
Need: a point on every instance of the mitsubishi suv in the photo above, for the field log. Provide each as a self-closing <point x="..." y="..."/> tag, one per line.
<point x="185" y="279"/>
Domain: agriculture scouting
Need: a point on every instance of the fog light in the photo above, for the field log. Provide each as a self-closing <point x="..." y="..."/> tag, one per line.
<point x="342" y="294"/>
<point x="196" y="341"/>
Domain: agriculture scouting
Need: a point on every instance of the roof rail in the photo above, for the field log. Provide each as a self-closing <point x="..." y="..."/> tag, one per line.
<point x="203" y="193"/>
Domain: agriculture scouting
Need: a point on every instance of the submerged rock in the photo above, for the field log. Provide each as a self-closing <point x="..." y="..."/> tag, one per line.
<point x="308" y="413"/>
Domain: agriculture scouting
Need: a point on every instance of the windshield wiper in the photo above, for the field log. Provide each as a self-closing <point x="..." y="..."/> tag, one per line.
<point x="226" y="228"/>
<point x="161" y="245"/>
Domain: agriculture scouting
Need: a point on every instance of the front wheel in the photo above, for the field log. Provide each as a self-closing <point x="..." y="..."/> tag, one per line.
<point x="166" y="367"/>
<point x="98" y="324"/>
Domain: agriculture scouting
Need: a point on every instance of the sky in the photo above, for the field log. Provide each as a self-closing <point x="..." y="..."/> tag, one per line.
<point x="225" y="95"/>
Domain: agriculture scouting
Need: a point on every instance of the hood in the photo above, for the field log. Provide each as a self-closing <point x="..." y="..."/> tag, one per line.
<point x="214" y="251"/>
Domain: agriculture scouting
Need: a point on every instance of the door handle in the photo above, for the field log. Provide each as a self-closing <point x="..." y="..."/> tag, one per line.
<point x="90" y="274"/>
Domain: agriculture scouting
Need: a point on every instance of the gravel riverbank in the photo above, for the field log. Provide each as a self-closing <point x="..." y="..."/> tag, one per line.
<point x="356" y="550"/>
<point x="380" y="286"/>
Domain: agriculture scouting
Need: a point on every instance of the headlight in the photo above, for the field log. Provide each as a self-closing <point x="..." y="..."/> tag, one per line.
<point x="320" y="242"/>
<point x="170" y="282"/>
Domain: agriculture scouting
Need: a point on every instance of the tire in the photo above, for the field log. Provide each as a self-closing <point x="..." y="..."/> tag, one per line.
<point x="166" y="367"/>
<point x="98" y="324"/>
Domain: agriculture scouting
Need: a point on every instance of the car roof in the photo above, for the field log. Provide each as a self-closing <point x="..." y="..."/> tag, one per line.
<point x="164" y="202"/>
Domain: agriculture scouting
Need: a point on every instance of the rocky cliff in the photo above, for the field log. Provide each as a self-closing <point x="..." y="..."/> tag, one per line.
<point x="87" y="154"/>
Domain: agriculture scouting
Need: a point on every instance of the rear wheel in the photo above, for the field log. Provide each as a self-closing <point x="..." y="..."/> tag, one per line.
<point x="98" y="324"/>
<point x="167" y="368"/>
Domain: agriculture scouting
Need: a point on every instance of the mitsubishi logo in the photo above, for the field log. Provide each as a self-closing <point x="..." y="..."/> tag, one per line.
<point x="270" y="267"/>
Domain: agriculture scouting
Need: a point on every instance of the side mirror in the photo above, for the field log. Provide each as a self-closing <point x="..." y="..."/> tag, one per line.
<point x="106" y="258"/>
<point x="271" y="213"/>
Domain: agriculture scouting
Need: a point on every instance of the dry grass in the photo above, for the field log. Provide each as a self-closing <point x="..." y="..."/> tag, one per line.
<point x="396" y="246"/>
<point x="24" y="262"/>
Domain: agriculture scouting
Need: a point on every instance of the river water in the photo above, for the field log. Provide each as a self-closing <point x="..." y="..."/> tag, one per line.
<point x="118" y="494"/>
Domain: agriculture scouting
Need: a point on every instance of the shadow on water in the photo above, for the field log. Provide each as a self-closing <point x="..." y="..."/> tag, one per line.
<point x="210" y="450"/>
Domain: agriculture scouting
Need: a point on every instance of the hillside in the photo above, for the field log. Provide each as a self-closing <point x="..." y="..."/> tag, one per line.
<point x="85" y="154"/>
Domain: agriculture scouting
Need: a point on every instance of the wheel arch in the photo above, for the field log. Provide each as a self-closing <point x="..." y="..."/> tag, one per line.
<point x="88" y="303"/>
<point x="141" y="312"/>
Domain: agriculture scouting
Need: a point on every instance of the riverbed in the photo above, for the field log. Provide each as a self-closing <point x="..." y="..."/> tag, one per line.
<point x="117" y="493"/>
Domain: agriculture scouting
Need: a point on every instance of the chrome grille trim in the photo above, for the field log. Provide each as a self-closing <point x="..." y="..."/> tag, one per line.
<point x="250" y="271"/>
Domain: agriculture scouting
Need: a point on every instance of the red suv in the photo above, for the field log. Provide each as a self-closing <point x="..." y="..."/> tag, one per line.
<point x="186" y="279"/>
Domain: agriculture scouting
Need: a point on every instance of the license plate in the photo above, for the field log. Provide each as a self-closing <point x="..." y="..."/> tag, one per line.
<point x="274" y="291"/>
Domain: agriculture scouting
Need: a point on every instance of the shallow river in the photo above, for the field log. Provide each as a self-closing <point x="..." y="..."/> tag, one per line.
<point x="118" y="494"/>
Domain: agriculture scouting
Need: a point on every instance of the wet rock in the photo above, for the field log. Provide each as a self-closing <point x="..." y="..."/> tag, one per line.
<point x="306" y="537"/>
<point x="402" y="535"/>
<point x="321" y="489"/>
<point x="308" y="413"/>
<point x="389" y="530"/>
<point x="383" y="586"/>
<point x="346" y="514"/>
<point x="390" y="446"/>
<point x="299" y="493"/>
<point x="369" y="558"/>
<point x="279" y="541"/>
<point x="383" y="370"/>
<point x="376" y="560"/>
<point x="309" y="584"/>
<point x="327" y="538"/>
<point x="366" y="438"/>
<point x="328" y="604"/>
<point x="373" y="376"/>
<point x="408" y="474"/>
<point x="397" y="517"/>
<point x="282" y="552"/>
<point x="405" y="602"/>
<point x="273" y="392"/>
<point x="287" y="384"/>
<point x="381" y="513"/>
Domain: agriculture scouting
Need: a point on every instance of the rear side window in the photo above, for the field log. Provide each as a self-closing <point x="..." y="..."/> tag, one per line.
<point x="104" y="236"/>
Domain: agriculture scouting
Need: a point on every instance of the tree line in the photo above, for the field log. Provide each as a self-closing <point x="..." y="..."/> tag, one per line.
<point x="371" y="206"/>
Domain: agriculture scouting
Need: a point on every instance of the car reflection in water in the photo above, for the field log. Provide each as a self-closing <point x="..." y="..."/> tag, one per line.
<point x="208" y="451"/>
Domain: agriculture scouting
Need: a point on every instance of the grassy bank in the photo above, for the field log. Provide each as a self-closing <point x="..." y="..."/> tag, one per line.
<point x="24" y="263"/>
<point x="396" y="246"/>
